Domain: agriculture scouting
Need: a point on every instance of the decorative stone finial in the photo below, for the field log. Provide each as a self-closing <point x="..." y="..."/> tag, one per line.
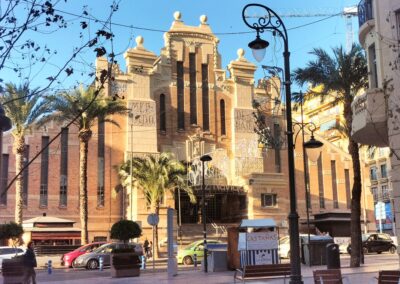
<point x="203" y="19"/>
<point x="139" y="41"/>
<point x="240" y="53"/>
<point x="177" y="16"/>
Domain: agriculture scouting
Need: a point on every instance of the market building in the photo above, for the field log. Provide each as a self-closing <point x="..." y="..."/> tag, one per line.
<point x="182" y="101"/>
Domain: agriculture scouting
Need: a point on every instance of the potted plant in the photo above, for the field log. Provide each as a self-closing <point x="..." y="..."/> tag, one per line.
<point x="125" y="260"/>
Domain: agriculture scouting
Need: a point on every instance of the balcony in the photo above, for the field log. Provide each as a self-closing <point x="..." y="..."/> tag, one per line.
<point x="364" y="11"/>
<point x="369" y="118"/>
<point x="365" y="19"/>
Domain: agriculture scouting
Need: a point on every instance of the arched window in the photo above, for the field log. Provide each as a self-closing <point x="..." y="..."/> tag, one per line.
<point x="180" y="94"/>
<point x="204" y="76"/>
<point x="163" y="122"/>
<point x="222" y="116"/>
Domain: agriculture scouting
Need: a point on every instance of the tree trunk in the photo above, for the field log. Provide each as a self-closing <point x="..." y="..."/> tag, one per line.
<point x="355" y="206"/>
<point x="355" y="226"/>
<point x="19" y="148"/>
<point x="84" y="137"/>
<point x="156" y="248"/>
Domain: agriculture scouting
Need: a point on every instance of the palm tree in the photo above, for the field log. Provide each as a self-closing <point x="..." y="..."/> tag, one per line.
<point x="24" y="107"/>
<point x="342" y="76"/>
<point x="155" y="175"/>
<point x="85" y="108"/>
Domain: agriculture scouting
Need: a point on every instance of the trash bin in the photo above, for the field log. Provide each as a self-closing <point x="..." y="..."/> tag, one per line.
<point x="332" y="256"/>
<point x="314" y="251"/>
<point x="217" y="257"/>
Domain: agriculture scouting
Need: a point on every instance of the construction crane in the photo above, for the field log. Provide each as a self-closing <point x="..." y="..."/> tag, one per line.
<point x="347" y="13"/>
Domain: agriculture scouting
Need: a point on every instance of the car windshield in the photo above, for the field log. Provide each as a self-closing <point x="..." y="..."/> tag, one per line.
<point x="365" y="237"/>
<point x="191" y="246"/>
<point x="100" y="248"/>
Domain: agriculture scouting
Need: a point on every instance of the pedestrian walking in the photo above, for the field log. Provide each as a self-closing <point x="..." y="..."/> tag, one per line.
<point x="150" y="249"/>
<point x="30" y="264"/>
<point x="146" y="246"/>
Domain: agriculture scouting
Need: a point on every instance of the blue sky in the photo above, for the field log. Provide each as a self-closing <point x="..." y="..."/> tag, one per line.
<point x="224" y="18"/>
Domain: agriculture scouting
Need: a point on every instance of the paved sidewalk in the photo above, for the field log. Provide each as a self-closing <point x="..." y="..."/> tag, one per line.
<point x="362" y="275"/>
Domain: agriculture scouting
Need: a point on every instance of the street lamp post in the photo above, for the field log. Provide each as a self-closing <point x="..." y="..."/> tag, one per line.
<point x="312" y="145"/>
<point x="204" y="158"/>
<point x="272" y="22"/>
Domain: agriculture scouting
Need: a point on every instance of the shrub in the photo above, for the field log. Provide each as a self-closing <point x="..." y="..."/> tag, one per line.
<point x="11" y="230"/>
<point x="125" y="229"/>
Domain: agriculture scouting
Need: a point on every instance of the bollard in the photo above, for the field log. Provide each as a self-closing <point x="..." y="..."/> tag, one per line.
<point x="101" y="263"/>
<point x="195" y="260"/>
<point x="49" y="267"/>
<point x="143" y="259"/>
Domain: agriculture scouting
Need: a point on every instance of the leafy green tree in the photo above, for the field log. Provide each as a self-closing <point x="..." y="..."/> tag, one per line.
<point x="124" y="230"/>
<point x="155" y="175"/>
<point x="342" y="76"/>
<point x="24" y="107"/>
<point x="11" y="231"/>
<point x="86" y="107"/>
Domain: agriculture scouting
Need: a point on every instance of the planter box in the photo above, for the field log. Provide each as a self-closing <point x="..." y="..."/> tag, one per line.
<point x="125" y="264"/>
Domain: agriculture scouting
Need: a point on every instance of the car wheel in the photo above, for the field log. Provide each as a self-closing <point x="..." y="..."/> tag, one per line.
<point x="392" y="249"/>
<point x="187" y="260"/>
<point x="73" y="264"/>
<point x="365" y="251"/>
<point x="92" y="264"/>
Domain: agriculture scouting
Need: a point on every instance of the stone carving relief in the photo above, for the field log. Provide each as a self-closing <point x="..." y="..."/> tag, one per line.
<point x="118" y="88"/>
<point x="244" y="121"/>
<point x="247" y="157"/>
<point x="144" y="113"/>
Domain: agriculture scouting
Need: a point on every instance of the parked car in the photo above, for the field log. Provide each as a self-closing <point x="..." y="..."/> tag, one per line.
<point x="10" y="252"/>
<point x="186" y="255"/>
<point x="69" y="258"/>
<point x="90" y="260"/>
<point x="343" y="247"/>
<point x="376" y="242"/>
<point x="284" y="245"/>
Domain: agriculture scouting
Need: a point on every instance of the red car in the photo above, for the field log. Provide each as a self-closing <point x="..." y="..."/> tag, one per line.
<point x="68" y="258"/>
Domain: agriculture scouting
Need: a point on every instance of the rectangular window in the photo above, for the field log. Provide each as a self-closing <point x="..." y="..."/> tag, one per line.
<point x="347" y="184"/>
<point x="373" y="83"/>
<point x="385" y="193"/>
<point x="64" y="168"/>
<point x="371" y="152"/>
<point x="192" y="82"/>
<point x="320" y="183"/>
<point x="372" y="173"/>
<point x="268" y="200"/>
<point x="44" y="173"/>
<point x="180" y="94"/>
<point x="25" y="177"/>
<point x="383" y="171"/>
<point x="375" y="194"/>
<point x="100" y="166"/>
<point x="205" y="97"/>
<point x="4" y="179"/>
<point x="334" y="185"/>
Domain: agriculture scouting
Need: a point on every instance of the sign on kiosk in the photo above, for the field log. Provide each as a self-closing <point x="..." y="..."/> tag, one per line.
<point x="258" y="241"/>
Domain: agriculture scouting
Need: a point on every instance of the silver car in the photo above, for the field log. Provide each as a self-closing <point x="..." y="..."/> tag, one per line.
<point x="91" y="260"/>
<point x="10" y="252"/>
